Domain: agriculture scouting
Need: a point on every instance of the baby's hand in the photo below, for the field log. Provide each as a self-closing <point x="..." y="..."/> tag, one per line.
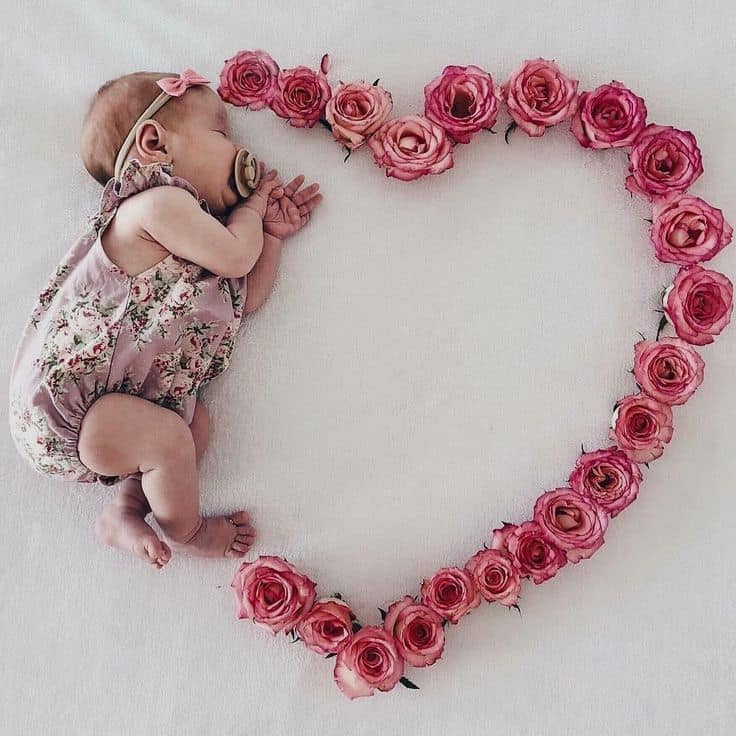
<point x="289" y="212"/>
<point x="268" y="186"/>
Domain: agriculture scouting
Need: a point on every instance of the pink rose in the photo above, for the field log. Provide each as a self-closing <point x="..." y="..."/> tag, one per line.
<point x="572" y="522"/>
<point x="367" y="660"/>
<point x="272" y="593"/>
<point x="500" y="536"/>
<point x="141" y="291"/>
<point x="302" y="94"/>
<point x="641" y="427"/>
<point x="462" y="100"/>
<point x="495" y="576"/>
<point x="410" y="147"/>
<point x="249" y="79"/>
<point x="538" y="95"/>
<point x="611" y="116"/>
<point x="417" y="630"/>
<point x="668" y="370"/>
<point x="663" y="160"/>
<point x="608" y="477"/>
<point x="687" y="230"/>
<point x="698" y="304"/>
<point x="534" y="555"/>
<point x="355" y="111"/>
<point x="325" y="626"/>
<point x="451" y="592"/>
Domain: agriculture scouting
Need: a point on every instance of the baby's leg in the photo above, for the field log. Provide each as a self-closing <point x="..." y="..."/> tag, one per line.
<point x="121" y="523"/>
<point x="131" y="493"/>
<point x="123" y="434"/>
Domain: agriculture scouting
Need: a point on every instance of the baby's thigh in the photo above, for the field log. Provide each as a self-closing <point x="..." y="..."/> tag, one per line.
<point x="122" y="434"/>
<point x="200" y="428"/>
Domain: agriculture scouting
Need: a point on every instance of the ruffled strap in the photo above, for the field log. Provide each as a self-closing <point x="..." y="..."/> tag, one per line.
<point x="137" y="177"/>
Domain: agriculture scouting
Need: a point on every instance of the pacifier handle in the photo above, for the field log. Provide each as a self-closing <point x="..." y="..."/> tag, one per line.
<point x="247" y="172"/>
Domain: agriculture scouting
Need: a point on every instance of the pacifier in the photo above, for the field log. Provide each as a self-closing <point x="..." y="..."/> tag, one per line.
<point x="247" y="172"/>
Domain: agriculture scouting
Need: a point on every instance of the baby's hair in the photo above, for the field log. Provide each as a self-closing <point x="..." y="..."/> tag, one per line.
<point x="111" y="113"/>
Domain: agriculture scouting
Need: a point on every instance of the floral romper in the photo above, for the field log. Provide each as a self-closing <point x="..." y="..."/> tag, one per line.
<point x="95" y="329"/>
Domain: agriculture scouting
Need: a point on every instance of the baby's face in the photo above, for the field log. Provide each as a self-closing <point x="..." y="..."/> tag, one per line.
<point x="203" y="154"/>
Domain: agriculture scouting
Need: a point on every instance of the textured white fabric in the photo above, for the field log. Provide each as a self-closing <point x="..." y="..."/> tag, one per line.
<point x="429" y="362"/>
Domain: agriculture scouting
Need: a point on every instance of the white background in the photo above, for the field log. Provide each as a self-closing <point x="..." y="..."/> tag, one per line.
<point x="430" y="361"/>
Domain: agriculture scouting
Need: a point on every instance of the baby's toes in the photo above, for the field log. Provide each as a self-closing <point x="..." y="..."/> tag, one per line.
<point x="235" y="550"/>
<point x="158" y="552"/>
<point x="239" y="518"/>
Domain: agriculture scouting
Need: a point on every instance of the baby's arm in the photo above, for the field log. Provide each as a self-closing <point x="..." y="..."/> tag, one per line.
<point x="174" y="219"/>
<point x="263" y="275"/>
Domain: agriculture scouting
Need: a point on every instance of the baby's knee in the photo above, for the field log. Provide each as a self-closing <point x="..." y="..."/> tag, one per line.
<point x="123" y="434"/>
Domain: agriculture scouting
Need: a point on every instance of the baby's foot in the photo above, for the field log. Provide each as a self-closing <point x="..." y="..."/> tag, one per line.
<point x="123" y="528"/>
<point x="219" y="536"/>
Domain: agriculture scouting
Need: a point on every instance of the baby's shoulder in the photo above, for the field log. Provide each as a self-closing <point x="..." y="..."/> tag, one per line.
<point x="126" y="241"/>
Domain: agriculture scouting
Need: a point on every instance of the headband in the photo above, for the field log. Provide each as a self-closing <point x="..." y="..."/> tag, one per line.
<point x="172" y="87"/>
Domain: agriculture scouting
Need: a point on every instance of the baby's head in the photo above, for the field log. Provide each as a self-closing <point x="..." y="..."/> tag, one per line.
<point x="191" y="132"/>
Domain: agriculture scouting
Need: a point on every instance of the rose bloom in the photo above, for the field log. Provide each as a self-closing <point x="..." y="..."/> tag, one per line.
<point x="325" y="626"/>
<point x="641" y="427"/>
<point x="572" y="522"/>
<point x="355" y="111"/>
<point x="141" y="291"/>
<point x="538" y="95"/>
<point x="462" y="100"/>
<point x="451" y="592"/>
<point x="608" y="477"/>
<point x="669" y="370"/>
<point x="272" y="593"/>
<point x="611" y="116"/>
<point x="418" y="631"/>
<point x="686" y="230"/>
<point x="249" y="79"/>
<point x="663" y="160"/>
<point x="495" y="576"/>
<point x="302" y="94"/>
<point x="367" y="660"/>
<point x="410" y="147"/>
<point x="698" y="304"/>
<point x="500" y="537"/>
<point x="534" y="555"/>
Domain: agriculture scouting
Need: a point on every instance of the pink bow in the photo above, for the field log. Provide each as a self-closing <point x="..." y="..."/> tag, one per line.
<point x="176" y="86"/>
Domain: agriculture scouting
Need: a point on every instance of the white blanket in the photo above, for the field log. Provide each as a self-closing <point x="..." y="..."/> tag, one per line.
<point x="429" y="362"/>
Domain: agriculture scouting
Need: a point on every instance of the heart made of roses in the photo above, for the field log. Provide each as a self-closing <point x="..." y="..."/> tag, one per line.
<point x="685" y="230"/>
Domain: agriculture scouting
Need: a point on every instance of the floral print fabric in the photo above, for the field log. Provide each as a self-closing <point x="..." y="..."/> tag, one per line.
<point x="94" y="329"/>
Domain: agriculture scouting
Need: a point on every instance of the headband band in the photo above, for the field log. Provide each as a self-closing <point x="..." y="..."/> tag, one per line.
<point x="172" y="87"/>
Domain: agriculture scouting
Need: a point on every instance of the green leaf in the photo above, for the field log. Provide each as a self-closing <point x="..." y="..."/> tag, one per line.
<point x="512" y="126"/>
<point x="647" y="219"/>
<point x="326" y="124"/>
<point x="348" y="154"/>
<point x="331" y="654"/>
<point x="662" y="323"/>
<point x="356" y="627"/>
<point x="375" y="83"/>
<point x="383" y="614"/>
<point x="490" y="130"/>
<point x="408" y="683"/>
<point x="517" y="608"/>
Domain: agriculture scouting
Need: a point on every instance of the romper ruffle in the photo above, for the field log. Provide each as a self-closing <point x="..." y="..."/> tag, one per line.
<point x="94" y="329"/>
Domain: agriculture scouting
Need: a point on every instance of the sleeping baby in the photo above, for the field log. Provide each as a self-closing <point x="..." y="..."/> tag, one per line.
<point x="145" y="307"/>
